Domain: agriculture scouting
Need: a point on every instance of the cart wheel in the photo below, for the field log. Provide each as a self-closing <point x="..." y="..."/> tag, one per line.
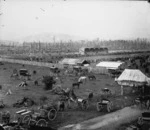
<point x="43" y="113"/>
<point x="85" y="104"/>
<point x="52" y="114"/>
<point x="140" y="121"/>
<point x="32" y="122"/>
<point x="99" y="107"/>
<point x="26" y="119"/>
<point x="41" y="122"/>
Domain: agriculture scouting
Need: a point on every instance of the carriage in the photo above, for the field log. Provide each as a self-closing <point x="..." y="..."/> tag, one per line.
<point x="83" y="103"/>
<point x="41" y="118"/>
<point x="143" y="101"/>
<point x="144" y="118"/>
<point x="104" y="104"/>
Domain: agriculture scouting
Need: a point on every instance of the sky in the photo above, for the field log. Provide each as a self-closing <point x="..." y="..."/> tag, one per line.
<point x="86" y="18"/>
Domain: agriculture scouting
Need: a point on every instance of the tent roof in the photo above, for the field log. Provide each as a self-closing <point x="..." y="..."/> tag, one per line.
<point x="71" y="61"/>
<point x="132" y="75"/>
<point x="110" y="64"/>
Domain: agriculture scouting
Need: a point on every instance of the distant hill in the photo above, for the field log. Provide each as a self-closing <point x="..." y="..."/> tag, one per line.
<point x="51" y="37"/>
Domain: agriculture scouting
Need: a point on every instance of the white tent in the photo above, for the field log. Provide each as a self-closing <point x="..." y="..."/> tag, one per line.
<point x="132" y="77"/>
<point x="71" y="61"/>
<point x="110" y="64"/>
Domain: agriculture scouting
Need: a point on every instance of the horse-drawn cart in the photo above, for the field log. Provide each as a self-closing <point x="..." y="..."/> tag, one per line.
<point x="144" y="118"/>
<point x="36" y="118"/>
<point x="104" y="103"/>
<point x="143" y="101"/>
<point x="83" y="103"/>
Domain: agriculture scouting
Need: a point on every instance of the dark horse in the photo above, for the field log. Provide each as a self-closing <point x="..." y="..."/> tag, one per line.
<point x="92" y="77"/>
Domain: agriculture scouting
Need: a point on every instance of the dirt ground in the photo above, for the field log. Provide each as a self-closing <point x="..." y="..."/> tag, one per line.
<point x="69" y="116"/>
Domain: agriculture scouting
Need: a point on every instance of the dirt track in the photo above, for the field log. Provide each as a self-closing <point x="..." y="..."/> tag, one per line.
<point x="108" y="122"/>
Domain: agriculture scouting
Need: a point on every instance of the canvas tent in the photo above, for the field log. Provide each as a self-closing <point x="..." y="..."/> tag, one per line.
<point x="71" y="61"/>
<point x="110" y="64"/>
<point x="132" y="77"/>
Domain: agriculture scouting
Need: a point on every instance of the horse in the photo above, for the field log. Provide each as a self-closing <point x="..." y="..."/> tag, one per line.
<point x="76" y="84"/>
<point x="36" y="83"/>
<point x="92" y="77"/>
<point x="82" y="79"/>
<point x="90" y="96"/>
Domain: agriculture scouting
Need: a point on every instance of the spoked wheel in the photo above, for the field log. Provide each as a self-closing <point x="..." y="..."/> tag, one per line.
<point x="42" y="123"/>
<point x="99" y="107"/>
<point x="140" y="121"/>
<point x="32" y="122"/>
<point x="26" y="119"/>
<point x="85" y="104"/>
<point x="52" y="114"/>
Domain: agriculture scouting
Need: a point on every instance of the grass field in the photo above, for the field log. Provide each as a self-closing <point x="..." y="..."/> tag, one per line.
<point x="69" y="116"/>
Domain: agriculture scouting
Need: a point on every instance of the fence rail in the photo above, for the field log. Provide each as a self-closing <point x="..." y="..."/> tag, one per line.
<point x="41" y="64"/>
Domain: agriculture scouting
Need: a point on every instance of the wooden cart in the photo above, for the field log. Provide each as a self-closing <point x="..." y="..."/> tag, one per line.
<point x="104" y="103"/>
<point x="145" y="117"/>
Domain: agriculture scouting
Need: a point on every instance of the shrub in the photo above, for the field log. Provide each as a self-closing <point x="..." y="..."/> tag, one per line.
<point x="48" y="82"/>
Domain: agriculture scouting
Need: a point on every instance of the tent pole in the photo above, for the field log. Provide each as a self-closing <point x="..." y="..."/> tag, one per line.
<point x="121" y="89"/>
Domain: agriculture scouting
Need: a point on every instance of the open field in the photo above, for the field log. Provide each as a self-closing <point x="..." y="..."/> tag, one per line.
<point x="69" y="116"/>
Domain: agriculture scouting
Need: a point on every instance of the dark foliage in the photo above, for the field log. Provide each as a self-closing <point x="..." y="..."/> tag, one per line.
<point x="48" y="81"/>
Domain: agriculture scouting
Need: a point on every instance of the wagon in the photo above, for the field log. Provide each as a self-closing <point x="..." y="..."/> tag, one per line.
<point x="104" y="104"/>
<point x="46" y="113"/>
<point x="22" y="116"/>
<point x="143" y="101"/>
<point x="24" y="72"/>
<point x="36" y="118"/>
<point x="83" y="103"/>
<point x="144" y="118"/>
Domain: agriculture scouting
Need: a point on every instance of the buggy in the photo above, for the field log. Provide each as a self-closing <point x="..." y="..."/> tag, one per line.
<point x="104" y="103"/>
<point x="144" y="118"/>
<point x="143" y="101"/>
<point x="36" y="118"/>
<point x="24" y="72"/>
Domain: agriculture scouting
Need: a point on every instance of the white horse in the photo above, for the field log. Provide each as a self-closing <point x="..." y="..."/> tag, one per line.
<point x="82" y="79"/>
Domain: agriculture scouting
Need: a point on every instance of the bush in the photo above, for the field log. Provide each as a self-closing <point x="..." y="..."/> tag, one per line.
<point x="48" y="82"/>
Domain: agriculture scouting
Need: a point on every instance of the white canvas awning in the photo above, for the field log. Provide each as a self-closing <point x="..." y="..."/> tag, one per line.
<point x="71" y="61"/>
<point x="132" y="77"/>
<point x="110" y="64"/>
